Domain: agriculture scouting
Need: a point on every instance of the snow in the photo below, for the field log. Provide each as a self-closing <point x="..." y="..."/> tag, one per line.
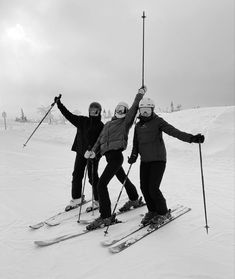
<point x="35" y="184"/>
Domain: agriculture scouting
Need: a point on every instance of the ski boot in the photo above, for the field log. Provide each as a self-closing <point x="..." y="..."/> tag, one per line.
<point x="127" y="206"/>
<point x="74" y="203"/>
<point x="160" y="219"/>
<point x="148" y="217"/>
<point x="102" y="222"/>
<point x="94" y="206"/>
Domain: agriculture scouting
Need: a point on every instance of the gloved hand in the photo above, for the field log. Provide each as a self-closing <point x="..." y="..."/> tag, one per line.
<point x="132" y="159"/>
<point x="89" y="154"/>
<point x="57" y="100"/>
<point x="198" y="138"/>
<point x="142" y="90"/>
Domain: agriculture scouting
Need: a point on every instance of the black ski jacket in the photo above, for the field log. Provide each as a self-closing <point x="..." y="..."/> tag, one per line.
<point x="148" y="140"/>
<point x="88" y="129"/>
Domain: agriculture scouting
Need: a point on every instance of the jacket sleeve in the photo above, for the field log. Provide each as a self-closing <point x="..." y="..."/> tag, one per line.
<point x="172" y="131"/>
<point x="72" y="118"/>
<point x="96" y="146"/>
<point x="130" y="116"/>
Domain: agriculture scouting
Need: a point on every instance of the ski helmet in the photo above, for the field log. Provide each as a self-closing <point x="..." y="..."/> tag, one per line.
<point x="146" y="103"/>
<point x="121" y="110"/>
<point x="146" y="107"/>
<point x="95" y="109"/>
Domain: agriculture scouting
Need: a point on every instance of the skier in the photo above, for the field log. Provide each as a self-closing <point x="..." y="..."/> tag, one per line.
<point x="88" y="130"/>
<point x="148" y="142"/>
<point x="111" y="142"/>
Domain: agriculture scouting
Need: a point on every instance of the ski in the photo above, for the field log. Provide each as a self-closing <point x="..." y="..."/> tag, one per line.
<point x="58" y="218"/>
<point x="64" y="237"/>
<point x="56" y="222"/>
<point x="112" y="240"/>
<point x="140" y="234"/>
<point x="58" y="239"/>
<point x="87" y="221"/>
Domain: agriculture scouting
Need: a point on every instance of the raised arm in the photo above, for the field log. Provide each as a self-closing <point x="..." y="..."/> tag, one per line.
<point x="130" y="116"/>
<point x="72" y="118"/>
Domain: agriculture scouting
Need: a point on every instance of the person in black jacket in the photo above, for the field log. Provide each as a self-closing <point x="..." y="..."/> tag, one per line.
<point x="148" y="142"/>
<point x="88" y="130"/>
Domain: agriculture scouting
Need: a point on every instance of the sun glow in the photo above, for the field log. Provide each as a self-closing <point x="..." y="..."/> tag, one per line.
<point x="16" y="39"/>
<point x="16" y="33"/>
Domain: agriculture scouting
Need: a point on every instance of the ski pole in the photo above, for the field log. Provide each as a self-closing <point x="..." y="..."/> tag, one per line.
<point x="203" y="188"/>
<point x="143" y="16"/>
<point x="143" y="45"/>
<point x="52" y="105"/>
<point x="83" y="191"/>
<point x="92" y="178"/>
<point x="114" y="209"/>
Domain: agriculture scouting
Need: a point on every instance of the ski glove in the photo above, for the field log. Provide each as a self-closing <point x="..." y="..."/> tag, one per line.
<point x="132" y="159"/>
<point x="57" y="100"/>
<point x="89" y="154"/>
<point x="197" y="138"/>
<point x="142" y="90"/>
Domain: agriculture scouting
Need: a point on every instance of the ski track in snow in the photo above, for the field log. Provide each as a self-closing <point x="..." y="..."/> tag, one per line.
<point x="35" y="184"/>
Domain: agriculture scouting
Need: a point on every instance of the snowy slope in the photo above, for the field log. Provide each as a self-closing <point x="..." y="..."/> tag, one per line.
<point x="35" y="183"/>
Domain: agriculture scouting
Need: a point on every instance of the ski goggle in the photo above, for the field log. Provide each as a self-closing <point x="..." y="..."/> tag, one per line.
<point x="146" y="112"/>
<point x="93" y="111"/>
<point x="120" y="110"/>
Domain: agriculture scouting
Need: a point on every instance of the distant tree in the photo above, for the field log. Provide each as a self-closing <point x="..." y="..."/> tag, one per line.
<point x="172" y="107"/>
<point x="104" y="113"/>
<point x="43" y="110"/>
<point x="178" y="107"/>
<point x="22" y="118"/>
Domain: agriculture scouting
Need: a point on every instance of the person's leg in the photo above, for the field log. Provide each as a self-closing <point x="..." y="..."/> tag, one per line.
<point x="155" y="177"/>
<point x="77" y="176"/>
<point x="144" y="185"/>
<point x="114" y="160"/>
<point x="93" y="176"/>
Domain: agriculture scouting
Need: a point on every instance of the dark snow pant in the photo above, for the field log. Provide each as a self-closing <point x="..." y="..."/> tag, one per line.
<point x="114" y="159"/>
<point x="78" y="174"/>
<point x="151" y="174"/>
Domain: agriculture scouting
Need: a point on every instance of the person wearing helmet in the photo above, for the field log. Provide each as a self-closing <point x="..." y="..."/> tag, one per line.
<point x="88" y="130"/>
<point x="111" y="142"/>
<point x="148" y="142"/>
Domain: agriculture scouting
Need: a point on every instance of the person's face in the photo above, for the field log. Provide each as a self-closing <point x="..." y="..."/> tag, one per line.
<point x="93" y="111"/>
<point x="146" y="112"/>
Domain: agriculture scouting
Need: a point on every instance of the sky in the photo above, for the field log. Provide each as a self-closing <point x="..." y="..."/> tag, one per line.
<point x="92" y="51"/>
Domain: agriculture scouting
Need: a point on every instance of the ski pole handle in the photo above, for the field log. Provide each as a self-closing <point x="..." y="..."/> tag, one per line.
<point x="56" y="99"/>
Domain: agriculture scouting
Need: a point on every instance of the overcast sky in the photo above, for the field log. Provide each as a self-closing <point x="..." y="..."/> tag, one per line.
<point x="92" y="51"/>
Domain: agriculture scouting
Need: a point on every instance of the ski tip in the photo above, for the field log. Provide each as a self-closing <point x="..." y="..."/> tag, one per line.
<point x="36" y="226"/>
<point x="39" y="243"/>
<point x="106" y="243"/>
<point x="114" y="250"/>
<point x="51" y="224"/>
